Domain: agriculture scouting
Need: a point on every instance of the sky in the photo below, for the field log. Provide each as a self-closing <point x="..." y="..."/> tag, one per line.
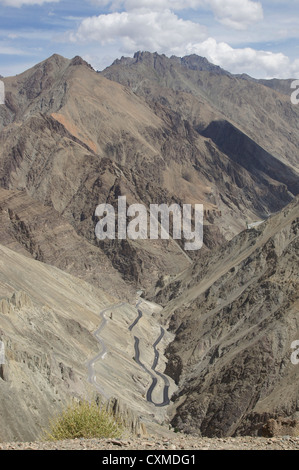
<point x="260" y="38"/>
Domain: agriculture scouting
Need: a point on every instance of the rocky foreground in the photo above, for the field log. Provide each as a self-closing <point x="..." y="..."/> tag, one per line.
<point x="154" y="444"/>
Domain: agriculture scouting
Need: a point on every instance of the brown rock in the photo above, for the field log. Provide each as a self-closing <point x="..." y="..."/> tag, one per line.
<point x="281" y="427"/>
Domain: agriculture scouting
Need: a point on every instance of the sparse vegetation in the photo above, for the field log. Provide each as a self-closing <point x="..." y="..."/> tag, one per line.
<point x="84" y="419"/>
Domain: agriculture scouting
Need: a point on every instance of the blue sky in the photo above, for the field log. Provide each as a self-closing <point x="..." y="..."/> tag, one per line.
<point x="260" y="38"/>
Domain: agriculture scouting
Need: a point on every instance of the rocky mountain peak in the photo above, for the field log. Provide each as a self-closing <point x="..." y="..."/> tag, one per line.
<point x="79" y="61"/>
<point x="195" y="62"/>
<point x="191" y="62"/>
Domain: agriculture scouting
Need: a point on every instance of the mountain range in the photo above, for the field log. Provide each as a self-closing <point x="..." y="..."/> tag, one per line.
<point x="157" y="130"/>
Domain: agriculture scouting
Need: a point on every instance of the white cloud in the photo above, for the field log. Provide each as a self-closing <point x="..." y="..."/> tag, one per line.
<point x="257" y="63"/>
<point x="20" y="3"/>
<point x="154" y="25"/>
<point x="237" y="14"/>
<point x="165" y="33"/>
<point x="148" y="30"/>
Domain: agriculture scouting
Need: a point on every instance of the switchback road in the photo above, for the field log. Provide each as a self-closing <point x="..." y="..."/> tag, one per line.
<point x="101" y="356"/>
<point x="90" y="365"/>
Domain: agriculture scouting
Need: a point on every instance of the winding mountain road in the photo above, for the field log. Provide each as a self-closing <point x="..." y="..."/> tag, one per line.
<point x="101" y="356"/>
<point x="166" y="400"/>
<point x="154" y="383"/>
<point x="137" y="319"/>
<point x="90" y="365"/>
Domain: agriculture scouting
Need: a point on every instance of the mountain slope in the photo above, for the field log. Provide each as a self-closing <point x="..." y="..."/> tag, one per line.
<point x="71" y="138"/>
<point x="235" y="316"/>
<point x="55" y="141"/>
<point x="53" y="327"/>
<point x="202" y="92"/>
<point x="46" y="319"/>
<point x="38" y="231"/>
<point x="176" y="130"/>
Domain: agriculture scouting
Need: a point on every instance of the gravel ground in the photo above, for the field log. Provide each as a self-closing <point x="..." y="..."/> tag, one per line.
<point x="153" y="443"/>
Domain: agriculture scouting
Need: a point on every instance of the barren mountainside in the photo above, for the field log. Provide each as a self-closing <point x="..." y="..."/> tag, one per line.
<point x="156" y="130"/>
<point x="235" y="316"/>
<point x="201" y="92"/>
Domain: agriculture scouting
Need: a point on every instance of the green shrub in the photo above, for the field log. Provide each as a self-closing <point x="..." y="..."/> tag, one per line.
<point x="83" y="420"/>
